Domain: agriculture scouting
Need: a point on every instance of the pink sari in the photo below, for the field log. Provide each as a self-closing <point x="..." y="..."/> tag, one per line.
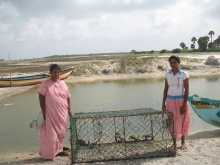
<point x="53" y="131"/>
<point x="181" y="121"/>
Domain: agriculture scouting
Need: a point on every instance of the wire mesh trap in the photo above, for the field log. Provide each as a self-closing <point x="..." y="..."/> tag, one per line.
<point x="120" y="135"/>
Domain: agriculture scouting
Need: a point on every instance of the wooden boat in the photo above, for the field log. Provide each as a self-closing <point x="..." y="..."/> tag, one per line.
<point x="208" y="110"/>
<point x="31" y="80"/>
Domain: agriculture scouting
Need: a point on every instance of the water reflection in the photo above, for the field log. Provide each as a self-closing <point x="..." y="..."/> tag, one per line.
<point x="205" y="86"/>
<point x="212" y="78"/>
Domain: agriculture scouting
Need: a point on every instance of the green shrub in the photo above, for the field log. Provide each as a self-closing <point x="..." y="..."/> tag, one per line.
<point x="141" y="70"/>
<point x="196" y="50"/>
<point x="163" y="51"/>
<point x="185" y="67"/>
<point x="193" y="60"/>
<point x="118" y="70"/>
<point x="160" y="67"/>
<point x="177" y="50"/>
<point x="217" y="49"/>
<point x="105" y="71"/>
<point x="141" y="52"/>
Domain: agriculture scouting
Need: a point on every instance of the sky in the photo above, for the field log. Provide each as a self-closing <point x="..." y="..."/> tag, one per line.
<point x="40" y="28"/>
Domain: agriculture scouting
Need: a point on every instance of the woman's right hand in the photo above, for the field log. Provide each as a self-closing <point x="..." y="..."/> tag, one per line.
<point x="70" y="113"/>
<point x="163" y="107"/>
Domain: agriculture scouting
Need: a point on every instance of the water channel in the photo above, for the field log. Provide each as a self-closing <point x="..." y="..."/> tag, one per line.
<point x="17" y="111"/>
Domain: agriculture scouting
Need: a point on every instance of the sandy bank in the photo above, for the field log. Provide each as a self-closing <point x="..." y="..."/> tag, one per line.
<point x="160" y="74"/>
<point x="7" y="92"/>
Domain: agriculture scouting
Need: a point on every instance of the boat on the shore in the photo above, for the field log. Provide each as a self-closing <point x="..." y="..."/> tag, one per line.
<point x="31" y="80"/>
<point x="207" y="109"/>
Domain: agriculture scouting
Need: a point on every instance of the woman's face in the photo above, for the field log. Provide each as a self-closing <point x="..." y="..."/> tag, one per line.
<point x="55" y="74"/>
<point x="174" y="63"/>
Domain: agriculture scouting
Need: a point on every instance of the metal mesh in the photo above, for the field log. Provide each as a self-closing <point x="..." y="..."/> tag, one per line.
<point x="118" y="135"/>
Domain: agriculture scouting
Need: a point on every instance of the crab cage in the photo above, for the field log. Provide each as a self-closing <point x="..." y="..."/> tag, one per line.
<point x="121" y="135"/>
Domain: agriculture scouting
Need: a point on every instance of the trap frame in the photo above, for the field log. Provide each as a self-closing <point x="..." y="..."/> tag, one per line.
<point x="121" y="135"/>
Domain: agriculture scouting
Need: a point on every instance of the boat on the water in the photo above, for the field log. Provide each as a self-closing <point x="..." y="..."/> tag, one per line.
<point x="207" y="109"/>
<point x="31" y="80"/>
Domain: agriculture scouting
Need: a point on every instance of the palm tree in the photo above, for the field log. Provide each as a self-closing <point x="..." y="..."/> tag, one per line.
<point x="192" y="46"/>
<point x="194" y="40"/>
<point x="207" y="38"/>
<point x="211" y="33"/>
<point x="182" y="45"/>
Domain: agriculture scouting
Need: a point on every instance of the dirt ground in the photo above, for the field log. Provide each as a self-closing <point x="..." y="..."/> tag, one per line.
<point x="203" y="148"/>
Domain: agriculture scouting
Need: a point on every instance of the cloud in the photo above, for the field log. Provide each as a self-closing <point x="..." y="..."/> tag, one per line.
<point x="83" y="8"/>
<point x="39" y="28"/>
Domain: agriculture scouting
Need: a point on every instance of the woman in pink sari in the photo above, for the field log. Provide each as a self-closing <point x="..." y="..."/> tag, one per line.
<point x="175" y="97"/>
<point x="54" y="99"/>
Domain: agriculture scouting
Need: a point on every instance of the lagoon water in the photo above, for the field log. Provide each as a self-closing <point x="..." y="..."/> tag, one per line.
<point x="17" y="111"/>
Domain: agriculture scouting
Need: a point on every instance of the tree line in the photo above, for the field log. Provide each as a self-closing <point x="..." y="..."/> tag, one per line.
<point x="204" y="43"/>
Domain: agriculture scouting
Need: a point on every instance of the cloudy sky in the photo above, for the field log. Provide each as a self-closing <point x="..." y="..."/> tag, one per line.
<point x="40" y="28"/>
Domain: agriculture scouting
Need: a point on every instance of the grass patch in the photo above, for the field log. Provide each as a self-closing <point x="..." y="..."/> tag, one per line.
<point x="138" y="65"/>
<point x="125" y="63"/>
<point x="193" y="60"/>
<point x="87" y="68"/>
<point x="184" y="67"/>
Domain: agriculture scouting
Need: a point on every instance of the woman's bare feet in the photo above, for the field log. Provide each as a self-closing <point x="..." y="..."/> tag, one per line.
<point x="171" y="148"/>
<point x="66" y="149"/>
<point x="63" y="153"/>
<point x="183" y="147"/>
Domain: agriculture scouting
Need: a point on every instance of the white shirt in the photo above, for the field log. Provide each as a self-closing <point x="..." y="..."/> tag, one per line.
<point x="175" y="82"/>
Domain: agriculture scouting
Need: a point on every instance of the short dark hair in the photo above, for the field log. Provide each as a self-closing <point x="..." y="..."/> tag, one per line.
<point x="175" y="57"/>
<point x="53" y="66"/>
